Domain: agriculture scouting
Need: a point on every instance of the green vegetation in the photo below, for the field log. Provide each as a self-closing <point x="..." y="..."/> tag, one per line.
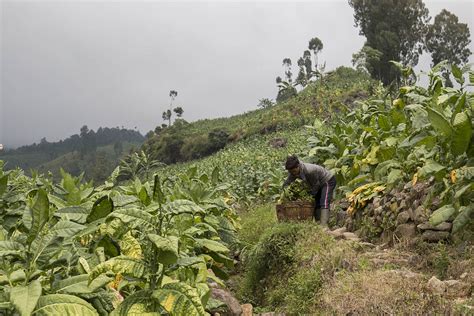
<point x="298" y="190"/>
<point x="421" y="133"/>
<point x="133" y="248"/>
<point x="172" y="217"/>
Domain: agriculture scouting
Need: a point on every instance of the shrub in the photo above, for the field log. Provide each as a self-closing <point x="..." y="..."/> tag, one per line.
<point x="272" y="255"/>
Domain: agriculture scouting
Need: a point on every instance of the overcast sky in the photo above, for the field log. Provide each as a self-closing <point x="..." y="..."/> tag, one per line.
<point x="108" y="63"/>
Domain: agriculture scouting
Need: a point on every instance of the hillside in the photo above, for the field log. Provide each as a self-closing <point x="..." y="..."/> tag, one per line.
<point x="402" y="221"/>
<point x="76" y="153"/>
<point x="186" y="141"/>
<point x="202" y="236"/>
<point x="96" y="166"/>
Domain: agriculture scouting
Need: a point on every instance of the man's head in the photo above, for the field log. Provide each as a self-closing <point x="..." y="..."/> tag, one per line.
<point x="293" y="165"/>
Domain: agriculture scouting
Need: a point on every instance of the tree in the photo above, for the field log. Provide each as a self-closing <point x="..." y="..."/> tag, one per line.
<point x="395" y="28"/>
<point x="286" y="90"/>
<point x="448" y="39"/>
<point x="167" y="116"/>
<point x="168" y="113"/>
<point x="179" y="111"/>
<point x="265" y="103"/>
<point x="316" y="46"/>
<point x="306" y="71"/>
<point x="173" y="95"/>
<point x="287" y="65"/>
<point x="368" y="59"/>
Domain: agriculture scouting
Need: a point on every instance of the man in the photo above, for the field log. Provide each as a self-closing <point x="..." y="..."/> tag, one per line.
<point x="320" y="180"/>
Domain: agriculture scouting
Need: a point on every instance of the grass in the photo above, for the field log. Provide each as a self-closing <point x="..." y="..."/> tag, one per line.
<point x="376" y="292"/>
<point x="254" y="223"/>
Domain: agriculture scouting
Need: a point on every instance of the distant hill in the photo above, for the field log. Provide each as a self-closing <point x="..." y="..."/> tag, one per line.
<point x="95" y="153"/>
<point x="185" y="141"/>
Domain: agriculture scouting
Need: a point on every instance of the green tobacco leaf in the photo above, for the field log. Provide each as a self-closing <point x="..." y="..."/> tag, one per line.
<point x="212" y="245"/>
<point x="3" y="184"/>
<point x="180" y="299"/>
<point x="134" y="217"/>
<point x="24" y="298"/>
<point x="462" y="133"/>
<point x="183" y="206"/>
<point x="167" y="248"/>
<point x="79" y="284"/>
<point x="39" y="213"/>
<point x="467" y="188"/>
<point x="139" y="303"/>
<point x="74" y="213"/>
<point x="66" y="229"/>
<point x="158" y="194"/>
<point x="144" y="197"/>
<point x="432" y="168"/>
<point x="466" y="216"/>
<point x="442" y="214"/>
<point x="11" y="248"/>
<point x="121" y="264"/>
<point x="439" y="122"/>
<point x="215" y="175"/>
<point x="457" y="73"/>
<point x="394" y="176"/>
<point x="63" y="304"/>
<point x="101" y="208"/>
<point x="384" y="123"/>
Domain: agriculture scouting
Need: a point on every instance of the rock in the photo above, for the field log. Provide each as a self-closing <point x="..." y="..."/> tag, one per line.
<point x="444" y="226"/>
<point x="340" y="230"/>
<point x="367" y="244"/>
<point x="335" y="234"/>
<point x="348" y="235"/>
<point x="340" y="217"/>
<point x="420" y="214"/>
<point x="402" y="206"/>
<point x="376" y="202"/>
<point x="455" y="288"/>
<point x="434" y="236"/>
<point x="378" y="210"/>
<point x="225" y="296"/>
<point x="247" y="309"/>
<point x="393" y="207"/>
<point x="435" y="203"/>
<point x="407" y="274"/>
<point x="405" y="231"/>
<point x="436" y="286"/>
<point x="408" y="186"/>
<point x="403" y="217"/>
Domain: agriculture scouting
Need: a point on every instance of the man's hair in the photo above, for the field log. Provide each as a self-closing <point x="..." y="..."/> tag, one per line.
<point x="291" y="162"/>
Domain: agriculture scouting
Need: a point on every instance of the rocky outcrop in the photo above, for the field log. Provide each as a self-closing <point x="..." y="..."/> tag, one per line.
<point x="449" y="288"/>
<point x="233" y="305"/>
<point x="401" y="213"/>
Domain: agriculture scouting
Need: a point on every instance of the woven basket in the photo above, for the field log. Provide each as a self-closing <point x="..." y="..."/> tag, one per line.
<point x="296" y="210"/>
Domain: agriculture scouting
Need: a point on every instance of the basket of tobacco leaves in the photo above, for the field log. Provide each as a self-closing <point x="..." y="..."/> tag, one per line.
<point x="295" y="203"/>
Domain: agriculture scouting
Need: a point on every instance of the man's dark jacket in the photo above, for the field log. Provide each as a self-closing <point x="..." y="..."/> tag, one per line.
<point x="315" y="175"/>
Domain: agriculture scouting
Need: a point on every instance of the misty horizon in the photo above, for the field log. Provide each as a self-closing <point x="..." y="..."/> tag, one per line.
<point x="103" y="64"/>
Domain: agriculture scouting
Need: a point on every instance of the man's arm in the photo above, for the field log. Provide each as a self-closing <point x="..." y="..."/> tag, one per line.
<point x="289" y="180"/>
